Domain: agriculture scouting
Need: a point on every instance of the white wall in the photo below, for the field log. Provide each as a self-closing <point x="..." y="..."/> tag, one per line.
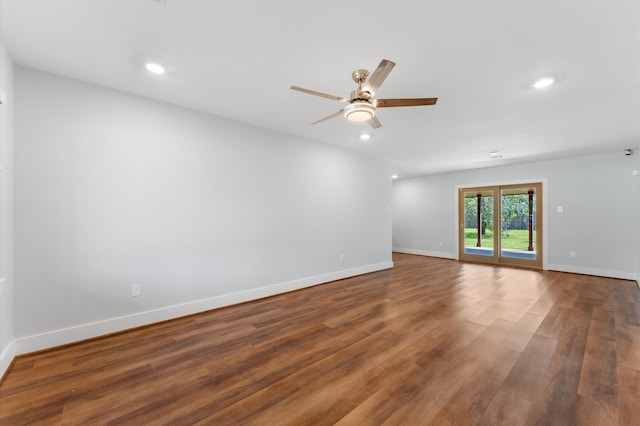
<point x="6" y="211"/>
<point x="599" y="195"/>
<point x="114" y="190"/>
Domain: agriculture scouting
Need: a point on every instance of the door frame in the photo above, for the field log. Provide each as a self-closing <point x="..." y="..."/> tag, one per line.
<point x="494" y="258"/>
<point x="542" y="213"/>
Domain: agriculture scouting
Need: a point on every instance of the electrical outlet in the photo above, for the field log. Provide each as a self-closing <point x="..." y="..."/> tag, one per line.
<point x="560" y="209"/>
<point x="572" y="254"/>
<point x="135" y="290"/>
<point x="341" y="257"/>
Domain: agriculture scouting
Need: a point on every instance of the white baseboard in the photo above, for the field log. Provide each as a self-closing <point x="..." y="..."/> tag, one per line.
<point x="425" y="253"/>
<point x="6" y="358"/>
<point x="87" y="331"/>
<point x="552" y="267"/>
<point x="593" y="271"/>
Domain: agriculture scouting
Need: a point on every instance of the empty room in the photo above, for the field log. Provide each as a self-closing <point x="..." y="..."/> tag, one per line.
<point x="285" y="213"/>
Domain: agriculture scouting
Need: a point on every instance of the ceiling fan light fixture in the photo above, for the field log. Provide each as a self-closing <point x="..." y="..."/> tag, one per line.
<point x="359" y="111"/>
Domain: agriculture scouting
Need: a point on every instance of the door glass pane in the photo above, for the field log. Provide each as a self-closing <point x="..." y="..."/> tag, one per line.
<point x="478" y="223"/>
<point x="518" y="223"/>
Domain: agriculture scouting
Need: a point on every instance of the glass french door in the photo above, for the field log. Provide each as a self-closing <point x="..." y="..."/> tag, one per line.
<point x="501" y="224"/>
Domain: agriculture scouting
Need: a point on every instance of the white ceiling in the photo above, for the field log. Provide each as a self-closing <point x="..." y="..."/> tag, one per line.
<point x="237" y="59"/>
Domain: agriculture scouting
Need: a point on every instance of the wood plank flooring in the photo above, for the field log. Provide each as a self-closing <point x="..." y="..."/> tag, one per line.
<point x="432" y="341"/>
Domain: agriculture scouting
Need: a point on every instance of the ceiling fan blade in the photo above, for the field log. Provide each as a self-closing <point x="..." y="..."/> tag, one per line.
<point x="379" y="75"/>
<point x="335" y="114"/>
<point x="322" y="95"/>
<point x="374" y="122"/>
<point x="388" y="103"/>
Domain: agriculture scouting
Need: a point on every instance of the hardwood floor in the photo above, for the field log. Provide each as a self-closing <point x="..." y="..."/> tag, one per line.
<point x="432" y="341"/>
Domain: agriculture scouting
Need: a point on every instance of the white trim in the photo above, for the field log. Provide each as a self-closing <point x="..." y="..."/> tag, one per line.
<point x="86" y="331"/>
<point x="593" y="271"/>
<point x="6" y="358"/>
<point x="425" y="253"/>
<point x="561" y="268"/>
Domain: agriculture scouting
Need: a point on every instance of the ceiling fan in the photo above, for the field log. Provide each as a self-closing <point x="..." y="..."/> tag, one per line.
<point x="361" y="105"/>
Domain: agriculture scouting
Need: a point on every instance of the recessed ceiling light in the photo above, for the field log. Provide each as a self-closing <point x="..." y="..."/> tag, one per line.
<point x="495" y="154"/>
<point x="155" y="68"/>
<point x="394" y="176"/>
<point x="543" y="82"/>
<point x="365" y="137"/>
